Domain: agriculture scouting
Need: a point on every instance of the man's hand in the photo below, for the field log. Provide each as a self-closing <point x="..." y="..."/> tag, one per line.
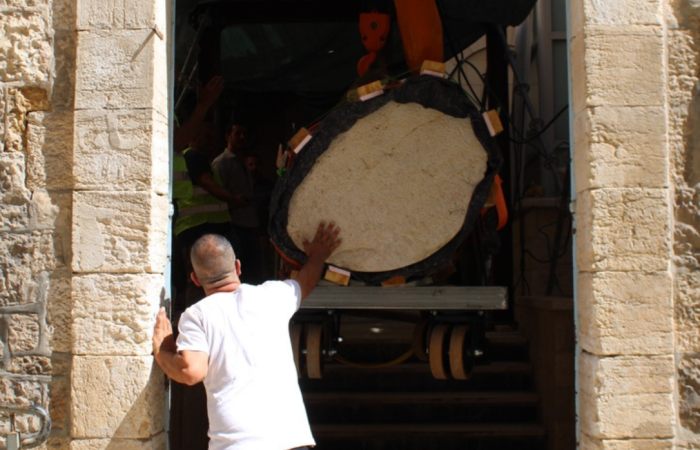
<point x="209" y="94"/>
<point x="324" y="243"/>
<point x="317" y="252"/>
<point x="163" y="334"/>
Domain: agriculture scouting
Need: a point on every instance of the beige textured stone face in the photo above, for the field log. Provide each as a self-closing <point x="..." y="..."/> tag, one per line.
<point x="116" y="396"/>
<point x="113" y="314"/>
<point x="398" y="184"/>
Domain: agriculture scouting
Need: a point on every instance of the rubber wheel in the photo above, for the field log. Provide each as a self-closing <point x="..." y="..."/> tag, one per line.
<point x="437" y="352"/>
<point x="419" y="337"/>
<point x="314" y="342"/>
<point x="295" y="333"/>
<point x="458" y="340"/>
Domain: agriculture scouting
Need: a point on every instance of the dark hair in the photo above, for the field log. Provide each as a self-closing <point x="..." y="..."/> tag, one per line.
<point x="235" y="121"/>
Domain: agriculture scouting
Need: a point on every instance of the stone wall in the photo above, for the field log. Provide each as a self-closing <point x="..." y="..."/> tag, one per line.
<point x="624" y="220"/>
<point x="636" y="131"/>
<point x="83" y="216"/>
<point x="35" y="212"/>
<point x="684" y="142"/>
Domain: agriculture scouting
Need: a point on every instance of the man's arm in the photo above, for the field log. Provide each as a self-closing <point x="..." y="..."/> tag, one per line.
<point x="317" y="252"/>
<point x="208" y="95"/>
<point x="206" y="180"/>
<point x="186" y="367"/>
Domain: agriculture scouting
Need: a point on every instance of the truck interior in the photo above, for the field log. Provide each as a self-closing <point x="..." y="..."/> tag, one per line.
<point x="478" y="352"/>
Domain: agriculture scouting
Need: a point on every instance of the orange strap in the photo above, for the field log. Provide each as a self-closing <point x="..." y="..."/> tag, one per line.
<point x="499" y="201"/>
<point x="374" y="28"/>
<point x="421" y="31"/>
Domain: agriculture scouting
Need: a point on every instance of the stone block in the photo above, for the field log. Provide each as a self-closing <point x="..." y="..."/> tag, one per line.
<point x="601" y="12"/>
<point x="23" y="260"/>
<point x="116" y="396"/>
<point x="687" y="310"/>
<point x="58" y="312"/>
<point x="627" y="416"/>
<point x="114" y="314"/>
<point x="65" y="50"/>
<point x="689" y="393"/>
<point x="624" y="66"/>
<point x="625" y="375"/>
<point x="24" y="332"/>
<point x="116" y="70"/>
<point x="591" y="443"/>
<point x="119" y="232"/>
<point x="59" y="403"/>
<point x="123" y="150"/>
<point x="20" y="391"/>
<point x="145" y="15"/>
<point x="623" y="230"/>
<point x="156" y="443"/>
<point x="100" y="14"/>
<point x="50" y="150"/>
<point x="621" y="313"/>
<point x="14" y="196"/>
<point x="26" y="55"/>
<point x="20" y="102"/>
<point x="621" y="147"/>
<point x="30" y="365"/>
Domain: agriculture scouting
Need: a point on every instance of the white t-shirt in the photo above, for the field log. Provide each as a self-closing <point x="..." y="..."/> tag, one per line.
<point x="253" y="396"/>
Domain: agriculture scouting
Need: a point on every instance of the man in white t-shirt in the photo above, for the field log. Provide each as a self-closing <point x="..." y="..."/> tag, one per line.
<point x="236" y="340"/>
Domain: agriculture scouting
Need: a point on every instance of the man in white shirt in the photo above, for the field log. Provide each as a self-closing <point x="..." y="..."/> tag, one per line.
<point x="236" y="340"/>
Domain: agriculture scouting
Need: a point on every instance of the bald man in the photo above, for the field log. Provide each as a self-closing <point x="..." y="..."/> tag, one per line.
<point x="236" y="340"/>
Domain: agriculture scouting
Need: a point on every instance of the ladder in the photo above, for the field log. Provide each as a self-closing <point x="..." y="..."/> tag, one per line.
<point x="14" y="440"/>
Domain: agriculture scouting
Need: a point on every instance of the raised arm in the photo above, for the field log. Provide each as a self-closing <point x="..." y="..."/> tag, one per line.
<point x="185" y="367"/>
<point x="317" y="252"/>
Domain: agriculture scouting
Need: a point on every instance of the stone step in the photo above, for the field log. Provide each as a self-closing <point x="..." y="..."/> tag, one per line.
<point x="368" y="431"/>
<point x="421" y="398"/>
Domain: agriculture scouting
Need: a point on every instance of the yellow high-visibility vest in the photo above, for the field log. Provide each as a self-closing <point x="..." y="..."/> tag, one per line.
<point x="196" y="206"/>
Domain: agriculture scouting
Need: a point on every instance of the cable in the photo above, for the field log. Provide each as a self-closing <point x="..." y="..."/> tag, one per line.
<point x="539" y="133"/>
<point x="394" y="362"/>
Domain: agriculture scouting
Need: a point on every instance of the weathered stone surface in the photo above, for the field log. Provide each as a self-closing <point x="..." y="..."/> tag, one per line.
<point x="120" y="14"/>
<point x="625" y="375"/>
<point x="623" y="229"/>
<point x="621" y="313"/>
<point x="58" y="312"/>
<point x="122" y="150"/>
<point x="623" y="66"/>
<point x="117" y="70"/>
<point x="101" y="14"/>
<point x="22" y="101"/>
<point x="2" y="119"/>
<point x="689" y="393"/>
<point x="50" y="150"/>
<point x="14" y="196"/>
<point x="59" y="403"/>
<point x="627" y="416"/>
<point x="156" y="443"/>
<point x="621" y="147"/>
<point x="65" y="49"/>
<point x="23" y="259"/>
<point x="24" y="332"/>
<point x="30" y="365"/>
<point x="119" y="397"/>
<point x="119" y="232"/>
<point x="27" y="55"/>
<point x="687" y="308"/>
<point x="114" y="314"/>
<point x="601" y="12"/>
<point x="18" y="391"/>
<point x="591" y="443"/>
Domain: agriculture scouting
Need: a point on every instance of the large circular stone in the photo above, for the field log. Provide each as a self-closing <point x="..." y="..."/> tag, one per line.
<point x="398" y="183"/>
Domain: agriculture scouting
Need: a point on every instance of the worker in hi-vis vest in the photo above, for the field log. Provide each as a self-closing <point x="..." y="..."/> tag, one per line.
<point x="202" y="203"/>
